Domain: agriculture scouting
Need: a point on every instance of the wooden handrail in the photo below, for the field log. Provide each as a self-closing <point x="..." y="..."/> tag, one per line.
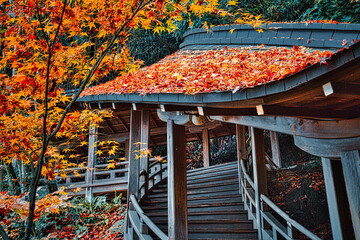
<point x="156" y="230"/>
<point x="277" y="227"/>
<point x="246" y="175"/>
<point x="139" y="221"/>
<point x="288" y="219"/>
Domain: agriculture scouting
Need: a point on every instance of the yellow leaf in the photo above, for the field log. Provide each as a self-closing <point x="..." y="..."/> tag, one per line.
<point x="232" y="3"/>
<point x="232" y="30"/>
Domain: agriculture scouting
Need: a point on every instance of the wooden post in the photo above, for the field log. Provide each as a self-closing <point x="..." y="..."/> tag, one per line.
<point x="351" y="167"/>
<point x="134" y="163"/>
<point x="144" y="139"/>
<point x="127" y="154"/>
<point x="177" y="193"/>
<point x="259" y="168"/>
<point x="337" y="199"/>
<point x="93" y="135"/>
<point x="241" y="142"/>
<point x="206" y="147"/>
<point x="275" y="148"/>
<point x="241" y="151"/>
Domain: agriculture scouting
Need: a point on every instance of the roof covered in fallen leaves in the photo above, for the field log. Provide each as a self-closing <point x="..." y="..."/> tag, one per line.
<point x="227" y="69"/>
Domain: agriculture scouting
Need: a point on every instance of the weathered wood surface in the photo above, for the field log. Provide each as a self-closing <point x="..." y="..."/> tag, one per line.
<point x="351" y="166"/>
<point x="134" y="163"/>
<point x="275" y="149"/>
<point x="144" y="139"/>
<point x="336" y="199"/>
<point x="259" y="168"/>
<point x="206" y="147"/>
<point x="241" y="142"/>
<point x="91" y="161"/>
<point x="297" y="126"/>
<point x="329" y="148"/>
<point x="174" y="116"/>
<point x="177" y="197"/>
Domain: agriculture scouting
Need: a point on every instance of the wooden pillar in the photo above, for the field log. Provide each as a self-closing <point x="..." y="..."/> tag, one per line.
<point x="134" y="163"/>
<point x="275" y="148"/>
<point x="144" y="139"/>
<point x="206" y="147"/>
<point x="351" y="168"/>
<point x="241" y="142"/>
<point x="177" y="193"/>
<point x="93" y="137"/>
<point x="336" y="199"/>
<point x="259" y="168"/>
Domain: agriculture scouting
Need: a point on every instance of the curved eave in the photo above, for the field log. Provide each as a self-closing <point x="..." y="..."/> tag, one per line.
<point x="342" y="67"/>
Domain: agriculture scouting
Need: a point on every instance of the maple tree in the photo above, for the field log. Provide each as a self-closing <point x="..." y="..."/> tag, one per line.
<point x="48" y="45"/>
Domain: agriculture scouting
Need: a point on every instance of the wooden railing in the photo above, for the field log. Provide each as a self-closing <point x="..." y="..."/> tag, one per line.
<point x="138" y="222"/>
<point x="101" y="176"/>
<point x="271" y="226"/>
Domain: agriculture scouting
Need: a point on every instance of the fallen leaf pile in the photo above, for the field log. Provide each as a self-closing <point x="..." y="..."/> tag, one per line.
<point x="193" y="72"/>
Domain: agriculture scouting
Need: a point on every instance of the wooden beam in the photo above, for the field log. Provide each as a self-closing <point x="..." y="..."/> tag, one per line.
<point x="134" y="163"/>
<point x="122" y="122"/>
<point x="91" y="161"/>
<point x="275" y="148"/>
<point x="351" y="167"/>
<point x="298" y="126"/>
<point x="208" y="125"/>
<point x="329" y="148"/>
<point x="144" y="106"/>
<point x="177" y="189"/>
<point x="259" y="168"/>
<point x="110" y="126"/>
<point x="153" y="120"/>
<point x="207" y="111"/>
<point x="341" y="89"/>
<point x="206" y="147"/>
<point x="337" y="201"/>
<point x="121" y="137"/>
<point x="174" y="116"/>
<point x="171" y="108"/>
<point x="319" y="113"/>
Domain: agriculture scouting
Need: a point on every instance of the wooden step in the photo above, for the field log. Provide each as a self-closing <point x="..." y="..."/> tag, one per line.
<point x="209" y="221"/>
<point x="199" y="195"/>
<point x="245" y="235"/>
<point x="201" y="206"/>
<point x="220" y="188"/>
<point x="220" y="214"/>
<point x="219" y="198"/>
<point x="233" y="176"/>
<point x="213" y="168"/>
<point x="212" y="174"/>
<point x="163" y="192"/>
<point x="205" y="185"/>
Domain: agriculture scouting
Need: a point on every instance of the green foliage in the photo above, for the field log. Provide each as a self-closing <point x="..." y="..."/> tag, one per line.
<point x="150" y="47"/>
<point x="337" y="10"/>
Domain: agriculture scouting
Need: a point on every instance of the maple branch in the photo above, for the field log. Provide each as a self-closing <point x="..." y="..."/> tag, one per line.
<point x="94" y="68"/>
<point x="45" y="139"/>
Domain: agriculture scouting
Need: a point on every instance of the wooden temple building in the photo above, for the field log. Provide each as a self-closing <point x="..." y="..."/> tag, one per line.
<point x="318" y="105"/>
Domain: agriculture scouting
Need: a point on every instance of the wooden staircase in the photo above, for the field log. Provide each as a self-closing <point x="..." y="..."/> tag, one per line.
<point x="215" y="207"/>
